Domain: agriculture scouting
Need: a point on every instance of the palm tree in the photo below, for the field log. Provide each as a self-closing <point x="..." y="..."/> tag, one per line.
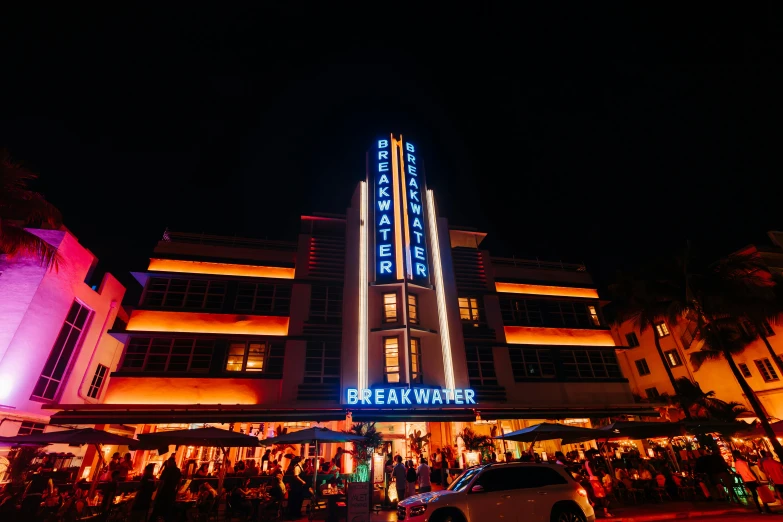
<point x="656" y="297"/>
<point x="705" y="404"/>
<point x="21" y="207"/>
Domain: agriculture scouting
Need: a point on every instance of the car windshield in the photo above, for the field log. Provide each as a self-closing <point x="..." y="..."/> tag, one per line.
<point x="463" y="480"/>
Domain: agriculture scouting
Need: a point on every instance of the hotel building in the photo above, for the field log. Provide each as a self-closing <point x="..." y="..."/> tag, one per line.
<point x="53" y="342"/>
<point x="385" y="314"/>
<point x="646" y="373"/>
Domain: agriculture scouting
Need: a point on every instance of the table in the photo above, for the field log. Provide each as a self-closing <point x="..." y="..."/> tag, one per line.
<point x="332" y="499"/>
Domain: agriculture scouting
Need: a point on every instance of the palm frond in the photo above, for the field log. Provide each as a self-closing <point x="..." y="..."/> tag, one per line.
<point x="698" y="358"/>
<point x="16" y="241"/>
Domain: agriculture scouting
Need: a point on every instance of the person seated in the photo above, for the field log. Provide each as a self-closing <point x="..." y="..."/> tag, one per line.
<point x="203" y="471"/>
<point x="110" y="491"/>
<point x="620" y="474"/>
<point x="308" y="467"/>
<point x="206" y="498"/>
<point x="229" y="468"/>
<point x="660" y="478"/>
<point x="334" y="479"/>
<point x="239" y="498"/>
<point x="251" y="470"/>
<point x="274" y="467"/>
<point x="645" y="474"/>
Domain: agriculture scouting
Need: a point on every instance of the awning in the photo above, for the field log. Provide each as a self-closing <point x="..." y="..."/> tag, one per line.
<point x="83" y="414"/>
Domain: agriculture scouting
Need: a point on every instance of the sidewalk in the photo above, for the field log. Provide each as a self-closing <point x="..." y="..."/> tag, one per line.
<point x="652" y="512"/>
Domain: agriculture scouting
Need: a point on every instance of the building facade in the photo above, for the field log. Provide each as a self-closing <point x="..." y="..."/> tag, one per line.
<point x="384" y="314"/>
<point x="642" y="364"/>
<point x="53" y="342"/>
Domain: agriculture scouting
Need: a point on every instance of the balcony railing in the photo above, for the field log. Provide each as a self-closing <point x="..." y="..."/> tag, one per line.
<point x="229" y="241"/>
<point x="537" y="263"/>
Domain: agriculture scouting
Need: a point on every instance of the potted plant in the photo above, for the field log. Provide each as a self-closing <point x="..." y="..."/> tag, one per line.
<point x="363" y="450"/>
<point x="474" y="442"/>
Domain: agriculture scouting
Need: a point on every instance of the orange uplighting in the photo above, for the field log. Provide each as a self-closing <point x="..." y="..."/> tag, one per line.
<point x="154" y="321"/>
<point x="167" y="390"/>
<point x="396" y="190"/>
<point x="557" y="336"/>
<point x="229" y="269"/>
<point x="558" y="291"/>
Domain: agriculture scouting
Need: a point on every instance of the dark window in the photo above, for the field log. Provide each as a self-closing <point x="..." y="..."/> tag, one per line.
<point x="165" y="354"/>
<point x="415" y="354"/>
<point x="548" y="312"/>
<point x="28" y="428"/>
<point x="632" y="340"/>
<point x="642" y="368"/>
<point x="662" y="329"/>
<point x="689" y="334"/>
<point x="326" y="304"/>
<point x="745" y="370"/>
<point x="390" y="308"/>
<point x="652" y="393"/>
<point x="263" y="298"/>
<point x="413" y="308"/>
<point x="768" y="331"/>
<point x="500" y="479"/>
<point x="64" y="346"/>
<point x="673" y="358"/>
<point x="519" y="477"/>
<point x="590" y="364"/>
<point x="391" y="356"/>
<point x="97" y="381"/>
<point x="481" y="365"/>
<point x="194" y="294"/>
<point x="531" y="363"/>
<point x="322" y="362"/>
<point x="766" y="369"/>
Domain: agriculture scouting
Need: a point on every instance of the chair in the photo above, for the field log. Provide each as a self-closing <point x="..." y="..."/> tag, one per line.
<point x="686" y="492"/>
<point x="661" y="492"/>
<point x="316" y="504"/>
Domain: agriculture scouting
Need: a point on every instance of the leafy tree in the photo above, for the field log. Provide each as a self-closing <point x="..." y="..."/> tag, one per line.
<point x="21" y="207"/>
<point x="363" y="450"/>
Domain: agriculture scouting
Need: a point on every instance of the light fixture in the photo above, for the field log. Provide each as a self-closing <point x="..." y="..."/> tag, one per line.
<point x="478" y="416"/>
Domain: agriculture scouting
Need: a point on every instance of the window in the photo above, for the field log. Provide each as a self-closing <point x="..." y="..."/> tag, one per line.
<point x="594" y="315"/>
<point x="64" y="346"/>
<point x="590" y="364"/>
<point x="97" y="381"/>
<point x="768" y="331"/>
<point x="415" y="354"/>
<point x="673" y="358"/>
<point x="504" y="479"/>
<point x="263" y="298"/>
<point x="662" y="329"/>
<point x="568" y="314"/>
<point x="390" y="308"/>
<point x="766" y="369"/>
<point x="531" y="363"/>
<point x="29" y="428"/>
<point x="391" y="353"/>
<point x="246" y="357"/>
<point x="164" y="292"/>
<point x="322" y="362"/>
<point x="652" y="393"/>
<point x="689" y="334"/>
<point x="326" y="304"/>
<point x="166" y="354"/>
<point x="642" y="368"/>
<point x="525" y="312"/>
<point x="468" y="310"/>
<point x="413" y="308"/>
<point x="481" y="365"/>
<point x="632" y="340"/>
<point x="745" y="370"/>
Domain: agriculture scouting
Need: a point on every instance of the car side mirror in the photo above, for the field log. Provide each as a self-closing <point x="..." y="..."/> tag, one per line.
<point x="477" y="489"/>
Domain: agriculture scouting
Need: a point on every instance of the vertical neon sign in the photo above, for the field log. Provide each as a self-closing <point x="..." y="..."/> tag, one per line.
<point x="414" y="198"/>
<point x="383" y="211"/>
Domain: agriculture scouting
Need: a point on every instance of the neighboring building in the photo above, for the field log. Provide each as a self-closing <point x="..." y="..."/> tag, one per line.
<point x="53" y="342"/>
<point x="646" y="374"/>
<point x="382" y="314"/>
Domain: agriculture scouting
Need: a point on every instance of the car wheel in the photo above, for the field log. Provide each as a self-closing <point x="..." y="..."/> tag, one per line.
<point x="447" y="516"/>
<point x="567" y="514"/>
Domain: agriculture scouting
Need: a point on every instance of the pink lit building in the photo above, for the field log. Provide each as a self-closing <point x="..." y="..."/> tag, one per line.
<point x="53" y="342"/>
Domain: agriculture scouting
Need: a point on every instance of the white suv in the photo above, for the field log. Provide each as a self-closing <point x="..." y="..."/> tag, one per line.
<point x="515" y="491"/>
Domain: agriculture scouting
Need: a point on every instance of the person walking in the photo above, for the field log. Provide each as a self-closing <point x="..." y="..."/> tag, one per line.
<point x="751" y="482"/>
<point x="774" y="471"/>
<point x="423" y="475"/>
<point x="399" y="473"/>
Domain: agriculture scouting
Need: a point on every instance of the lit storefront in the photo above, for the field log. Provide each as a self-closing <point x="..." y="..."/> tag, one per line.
<point x="383" y="314"/>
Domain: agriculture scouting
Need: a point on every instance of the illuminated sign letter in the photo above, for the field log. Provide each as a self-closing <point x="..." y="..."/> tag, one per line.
<point x="353" y="396"/>
<point x="422" y="395"/>
<point x="458" y="397"/>
<point x="379" y="396"/>
<point x="469" y="394"/>
<point x="405" y="395"/>
<point x="366" y="394"/>
<point x="392" y="397"/>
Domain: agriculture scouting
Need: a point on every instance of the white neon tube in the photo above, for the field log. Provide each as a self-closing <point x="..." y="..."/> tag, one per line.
<point x="437" y="272"/>
<point x="362" y="369"/>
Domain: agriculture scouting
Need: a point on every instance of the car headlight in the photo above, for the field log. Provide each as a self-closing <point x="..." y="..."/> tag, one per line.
<point x="418" y="510"/>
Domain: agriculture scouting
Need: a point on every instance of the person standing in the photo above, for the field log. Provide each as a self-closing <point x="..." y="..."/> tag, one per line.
<point x="410" y="480"/>
<point x="423" y="474"/>
<point x="297" y="493"/>
<point x="143" y="501"/>
<point x="437" y="467"/>
<point x="399" y="473"/>
<point x="126" y="466"/>
<point x="774" y="471"/>
<point x="750" y="480"/>
<point x="167" y="491"/>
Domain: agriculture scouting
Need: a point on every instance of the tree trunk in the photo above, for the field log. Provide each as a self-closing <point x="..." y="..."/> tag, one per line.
<point x="755" y="404"/>
<point x="775" y="357"/>
<point x="667" y="367"/>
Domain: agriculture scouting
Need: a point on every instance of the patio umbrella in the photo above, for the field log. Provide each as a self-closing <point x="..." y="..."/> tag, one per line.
<point x="204" y="437"/>
<point x="728" y="429"/>
<point x="74" y="437"/>
<point x="314" y="436"/>
<point x="549" y="431"/>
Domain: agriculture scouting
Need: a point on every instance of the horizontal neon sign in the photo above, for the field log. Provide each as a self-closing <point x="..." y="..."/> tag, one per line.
<point x="410" y="396"/>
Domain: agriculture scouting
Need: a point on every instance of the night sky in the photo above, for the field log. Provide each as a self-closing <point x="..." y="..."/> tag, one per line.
<point x="606" y="136"/>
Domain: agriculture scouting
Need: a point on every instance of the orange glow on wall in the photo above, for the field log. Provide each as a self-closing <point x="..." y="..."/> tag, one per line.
<point x="154" y="321"/>
<point x="557" y="336"/>
<point x="167" y="390"/>
<point x="559" y="291"/>
<point x="396" y="190"/>
<point x="201" y="267"/>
